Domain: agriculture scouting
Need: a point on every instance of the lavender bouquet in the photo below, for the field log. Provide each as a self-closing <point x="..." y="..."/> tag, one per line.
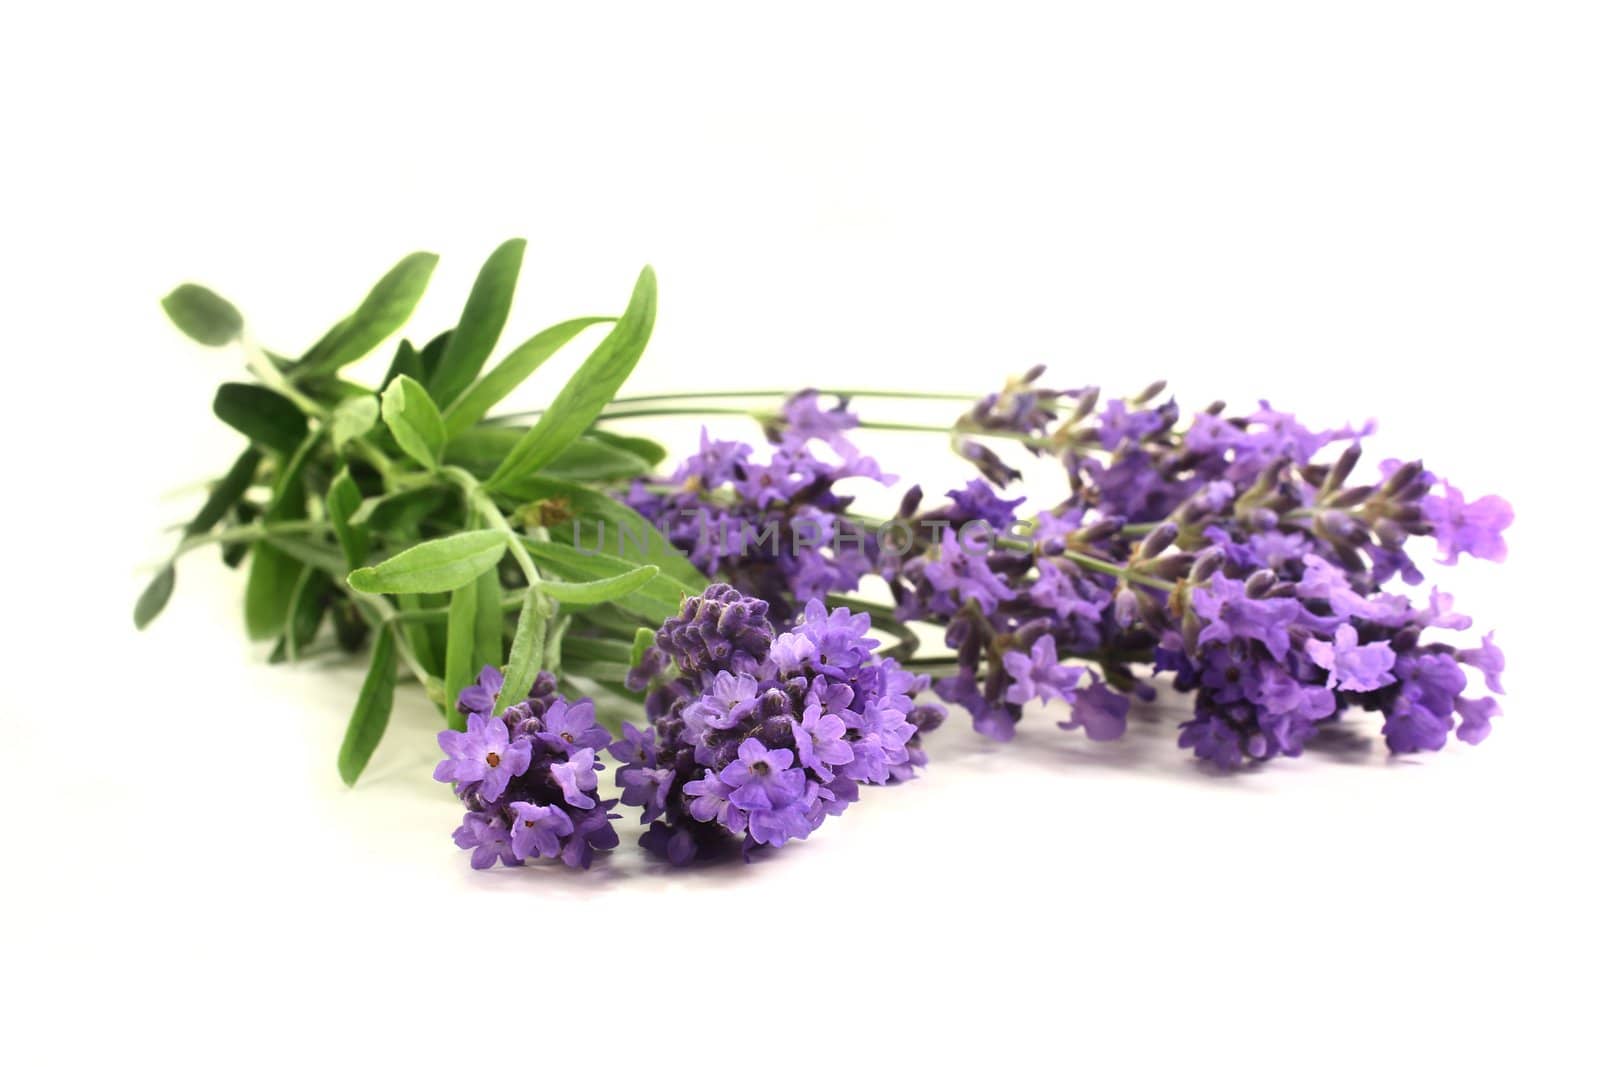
<point x="746" y="647"/>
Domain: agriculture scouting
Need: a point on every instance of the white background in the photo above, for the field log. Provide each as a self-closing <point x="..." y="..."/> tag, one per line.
<point x="1384" y="209"/>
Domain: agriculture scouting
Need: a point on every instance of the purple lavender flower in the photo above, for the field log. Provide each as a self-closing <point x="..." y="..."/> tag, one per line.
<point x="776" y="526"/>
<point x="576" y="778"/>
<point x="485" y="754"/>
<point x="481" y="697"/>
<point x="1040" y="674"/>
<point x="528" y="791"/>
<point x="1234" y="553"/>
<point x="487" y="837"/>
<point x="1351" y="665"/>
<point x="537" y="830"/>
<point x="571" y="727"/>
<point x="759" y="752"/>
<point x="1230" y="613"/>
<point x="1476" y="528"/>
<point x="1102" y="714"/>
<point x="819" y="739"/>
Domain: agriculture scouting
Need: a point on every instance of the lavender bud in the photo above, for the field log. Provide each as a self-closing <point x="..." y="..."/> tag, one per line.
<point x="1349" y="498"/>
<point x="1342" y="467"/>
<point x="1126" y="607"/>
<point x="1337" y="526"/>
<point x="1264" y="519"/>
<point x="1151" y="391"/>
<point x="1259" y="584"/>
<point x="1098" y="531"/>
<point x="1086" y="403"/>
<point x="1206" y="564"/>
<point x="1171" y="567"/>
<point x="1158" y="540"/>
<point x="1402" y="477"/>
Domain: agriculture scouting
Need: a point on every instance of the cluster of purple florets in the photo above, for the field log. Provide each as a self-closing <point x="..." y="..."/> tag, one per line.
<point x="775" y="526"/>
<point x="528" y="777"/>
<point x="1228" y="553"/>
<point x="755" y="737"/>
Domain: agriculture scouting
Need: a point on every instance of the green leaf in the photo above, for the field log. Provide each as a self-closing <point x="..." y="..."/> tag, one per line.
<point x="512" y="371"/>
<point x="154" y="597"/>
<point x="344" y="498"/>
<point x="643" y="639"/>
<point x="614" y="525"/>
<point x="474" y="638"/>
<point x="371" y="715"/>
<point x="659" y="597"/>
<point x="589" y="460"/>
<point x="589" y="390"/>
<point x="385" y="310"/>
<point x="306" y="608"/>
<point x="402" y="510"/>
<point x="226" y="493"/>
<point x="600" y="590"/>
<point x="438" y="566"/>
<point x="267" y="417"/>
<point x="352" y="419"/>
<point x="411" y="416"/>
<point x="268" y="589"/>
<point x="481" y="322"/>
<point x="203" y="315"/>
<point x="652" y="452"/>
<point x="527" y="652"/>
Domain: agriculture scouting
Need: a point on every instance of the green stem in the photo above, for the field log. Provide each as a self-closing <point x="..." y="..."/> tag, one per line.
<point x="722" y="394"/>
<point x="644" y="413"/>
<point x="255" y="531"/>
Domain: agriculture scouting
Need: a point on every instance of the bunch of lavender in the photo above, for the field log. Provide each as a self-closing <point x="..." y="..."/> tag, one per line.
<point x="1228" y="553"/>
<point x="529" y="777"/>
<point x="756" y="736"/>
<point x="775" y="526"/>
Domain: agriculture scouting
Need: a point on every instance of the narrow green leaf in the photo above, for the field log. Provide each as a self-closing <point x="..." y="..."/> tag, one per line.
<point x="371" y="715"/>
<point x="614" y="527"/>
<point x="589" y="460"/>
<point x="385" y="310"/>
<point x="589" y="390"/>
<point x="512" y="371"/>
<point x="275" y="565"/>
<point x="481" y="322"/>
<point x="203" y="315"/>
<point x="267" y="590"/>
<point x="411" y="416"/>
<point x="600" y="590"/>
<point x="527" y="653"/>
<point x="432" y="352"/>
<point x="438" y="566"/>
<point x="267" y="417"/>
<point x="426" y="641"/>
<point x="154" y="597"/>
<point x="475" y="639"/>
<point x="643" y="639"/>
<point x="652" y="452"/>
<point x="659" y="597"/>
<point x="226" y="493"/>
<point x="401" y="511"/>
<point x="344" y="499"/>
<point x="407" y="360"/>
<point x="353" y="418"/>
<point x="306" y="607"/>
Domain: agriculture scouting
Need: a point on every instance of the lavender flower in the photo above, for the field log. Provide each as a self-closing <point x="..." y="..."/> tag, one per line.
<point x="528" y="778"/>
<point x="756" y="737"/>
<point x="774" y="526"/>
<point x="1233" y="554"/>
